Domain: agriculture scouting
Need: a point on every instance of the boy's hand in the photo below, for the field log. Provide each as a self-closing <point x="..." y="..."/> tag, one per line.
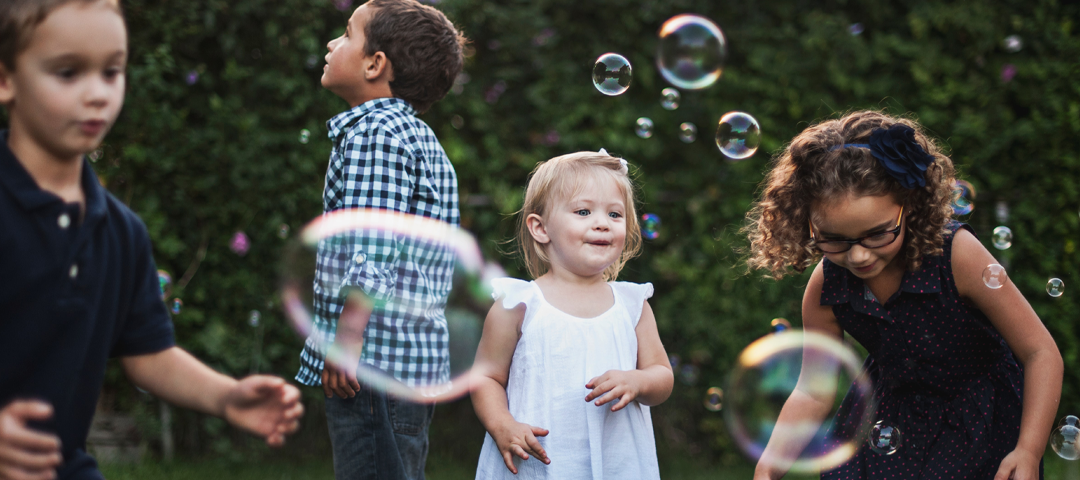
<point x="26" y="453"/>
<point x="266" y="406"/>
<point x="1020" y="464"/>
<point x="516" y="438"/>
<point x="339" y="380"/>
<point x="614" y="384"/>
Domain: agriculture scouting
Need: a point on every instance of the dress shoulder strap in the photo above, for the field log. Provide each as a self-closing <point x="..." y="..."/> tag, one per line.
<point x="512" y="291"/>
<point x="633" y="296"/>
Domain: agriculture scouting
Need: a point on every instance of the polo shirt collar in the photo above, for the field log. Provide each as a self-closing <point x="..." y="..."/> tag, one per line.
<point x="847" y="288"/>
<point x="341" y="122"/>
<point x="30" y="196"/>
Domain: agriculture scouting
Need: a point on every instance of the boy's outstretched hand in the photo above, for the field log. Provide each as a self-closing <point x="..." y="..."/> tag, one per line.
<point x="516" y="438"/>
<point x="26" y="453"/>
<point x="266" y="406"/>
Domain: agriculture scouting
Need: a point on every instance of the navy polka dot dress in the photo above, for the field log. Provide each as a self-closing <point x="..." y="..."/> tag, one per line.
<point x="942" y="375"/>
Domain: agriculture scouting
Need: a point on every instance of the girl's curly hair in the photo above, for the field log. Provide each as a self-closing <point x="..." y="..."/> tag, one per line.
<point x="808" y="172"/>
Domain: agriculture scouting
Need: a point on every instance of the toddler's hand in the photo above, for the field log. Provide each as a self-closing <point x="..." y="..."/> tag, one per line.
<point x="25" y="452"/>
<point x="516" y="438"/>
<point x="611" y="385"/>
<point x="1020" y="464"/>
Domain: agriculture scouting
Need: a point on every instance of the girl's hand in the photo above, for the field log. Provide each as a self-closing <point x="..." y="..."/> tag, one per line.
<point x="614" y="384"/>
<point x="1018" y="465"/>
<point x="516" y="438"/>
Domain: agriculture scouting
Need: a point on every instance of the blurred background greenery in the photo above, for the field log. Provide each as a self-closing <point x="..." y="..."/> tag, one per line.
<point x="211" y="142"/>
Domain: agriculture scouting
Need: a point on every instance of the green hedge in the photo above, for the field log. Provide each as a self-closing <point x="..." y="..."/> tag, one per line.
<point x="200" y="162"/>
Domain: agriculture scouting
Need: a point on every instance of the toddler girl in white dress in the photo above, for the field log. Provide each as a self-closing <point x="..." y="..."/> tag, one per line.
<point x="572" y="361"/>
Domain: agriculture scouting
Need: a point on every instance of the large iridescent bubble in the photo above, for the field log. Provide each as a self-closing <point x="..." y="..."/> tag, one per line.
<point x="347" y="263"/>
<point x="691" y="52"/>
<point x="816" y="366"/>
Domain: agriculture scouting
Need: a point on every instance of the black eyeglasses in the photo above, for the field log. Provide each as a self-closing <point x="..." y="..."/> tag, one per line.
<point x="876" y="240"/>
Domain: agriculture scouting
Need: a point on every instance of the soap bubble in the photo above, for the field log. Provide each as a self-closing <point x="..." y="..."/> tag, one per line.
<point x="254" y="317"/>
<point x="191" y="77"/>
<point x="164" y="284"/>
<point x="1002" y="238"/>
<point x="239" y="243"/>
<point x="669" y="98"/>
<point x="283" y="231"/>
<point x="687" y="132"/>
<point x="1055" y="287"/>
<point x="643" y="127"/>
<point x="175" y="306"/>
<point x="305" y="136"/>
<point x="738" y="136"/>
<point x="611" y="74"/>
<point x="779" y="325"/>
<point x="675" y="361"/>
<point x="691" y="52"/>
<point x="688" y="374"/>
<point x="1012" y="43"/>
<point x="822" y="367"/>
<point x="884" y="438"/>
<point x="342" y="256"/>
<point x="994" y="276"/>
<point x="1064" y="438"/>
<point x="855" y="29"/>
<point x="714" y="399"/>
<point x="963" y="198"/>
<point x="650" y="226"/>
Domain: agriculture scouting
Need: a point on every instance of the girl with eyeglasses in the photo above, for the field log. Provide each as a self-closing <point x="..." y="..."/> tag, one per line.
<point x="968" y="373"/>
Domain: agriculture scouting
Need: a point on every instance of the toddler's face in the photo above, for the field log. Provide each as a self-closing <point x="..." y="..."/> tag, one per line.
<point x="851" y="217"/>
<point x="68" y="85"/>
<point x="587" y="233"/>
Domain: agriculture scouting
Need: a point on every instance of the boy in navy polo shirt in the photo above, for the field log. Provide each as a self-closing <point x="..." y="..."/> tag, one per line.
<point x="77" y="280"/>
<point x="396" y="58"/>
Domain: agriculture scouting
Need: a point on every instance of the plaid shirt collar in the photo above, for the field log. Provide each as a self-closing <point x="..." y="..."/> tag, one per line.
<point x="340" y="123"/>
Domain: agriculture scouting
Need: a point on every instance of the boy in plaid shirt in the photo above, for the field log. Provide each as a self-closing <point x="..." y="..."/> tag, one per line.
<point x="396" y="58"/>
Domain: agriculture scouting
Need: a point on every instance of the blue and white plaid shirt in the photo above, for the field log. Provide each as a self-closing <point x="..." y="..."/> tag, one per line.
<point x="385" y="158"/>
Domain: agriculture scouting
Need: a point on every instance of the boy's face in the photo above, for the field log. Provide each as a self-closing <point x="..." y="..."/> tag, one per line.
<point x="68" y="85"/>
<point x="347" y="60"/>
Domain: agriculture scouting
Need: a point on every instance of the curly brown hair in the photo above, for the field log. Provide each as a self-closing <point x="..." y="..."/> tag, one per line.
<point x="811" y="170"/>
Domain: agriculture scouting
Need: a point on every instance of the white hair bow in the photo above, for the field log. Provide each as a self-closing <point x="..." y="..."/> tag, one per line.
<point x="625" y="167"/>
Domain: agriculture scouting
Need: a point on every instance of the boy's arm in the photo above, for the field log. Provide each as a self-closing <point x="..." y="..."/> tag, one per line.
<point x="263" y="405"/>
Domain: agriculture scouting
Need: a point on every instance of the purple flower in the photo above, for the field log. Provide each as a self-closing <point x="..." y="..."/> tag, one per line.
<point x="239" y="244"/>
<point x="1008" y="72"/>
<point x="900" y="154"/>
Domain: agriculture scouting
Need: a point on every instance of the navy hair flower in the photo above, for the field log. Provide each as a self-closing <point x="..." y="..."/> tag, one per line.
<point x="901" y="155"/>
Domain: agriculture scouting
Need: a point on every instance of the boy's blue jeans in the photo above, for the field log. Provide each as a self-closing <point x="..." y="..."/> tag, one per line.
<point x="378" y="437"/>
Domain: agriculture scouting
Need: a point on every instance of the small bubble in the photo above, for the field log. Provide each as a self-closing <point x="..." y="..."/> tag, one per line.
<point x="1055" y="287"/>
<point x="738" y="135"/>
<point x="994" y="276"/>
<point x="855" y="29"/>
<point x="714" y="399"/>
<point x="95" y="156"/>
<point x="643" y="127"/>
<point x="884" y="438"/>
<point x="669" y="98"/>
<point x="253" y="318"/>
<point x="687" y="132"/>
<point x="688" y="374"/>
<point x="1066" y="437"/>
<point x="675" y="361"/>
<point x="457" y="122"/>
<point x="191" y="77"/>
<point x="691" y="52"/>
<point x="312" y="61"/>
<point x="164" y="284"/>
<point x="176" y="305"/>
<point x="611" y="74"/>
<point x="283" y="231"/>
<point x="1002" y="238"/>
<point x="1012" y="43"/>
<point x="240" y="243"/>
<point x="305" y="136"/>
<point x="650" y="226"/>
<point x="779" y="325"/>
<point x="963" y="197"/>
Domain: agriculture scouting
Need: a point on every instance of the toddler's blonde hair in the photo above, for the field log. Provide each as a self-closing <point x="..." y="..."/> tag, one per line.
<point x="564" y="177"/>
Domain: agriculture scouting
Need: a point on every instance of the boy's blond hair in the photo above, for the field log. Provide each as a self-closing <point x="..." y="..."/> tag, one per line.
<point x="564" y="177"/>
<point x="18" y="18"/>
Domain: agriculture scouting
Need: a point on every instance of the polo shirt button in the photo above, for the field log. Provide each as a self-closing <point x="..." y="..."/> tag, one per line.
<point x="360" y="258"/>
<point x="73" y="271"/>
<point x="64" y="220"/>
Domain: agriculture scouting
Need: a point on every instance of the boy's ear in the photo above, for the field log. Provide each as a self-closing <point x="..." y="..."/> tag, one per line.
<point x="7" y="86"/>
<point x="537" y="229"/>
<point x="378" y="66"/>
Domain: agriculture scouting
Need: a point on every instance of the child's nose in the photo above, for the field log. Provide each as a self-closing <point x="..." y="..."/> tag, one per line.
<point x="858" y="254"/>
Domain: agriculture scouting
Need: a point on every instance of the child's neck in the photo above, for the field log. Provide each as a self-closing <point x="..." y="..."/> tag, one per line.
<point x="372" y="92"/>
<point x="59" y="176"/>
<point x="584" y="297"/>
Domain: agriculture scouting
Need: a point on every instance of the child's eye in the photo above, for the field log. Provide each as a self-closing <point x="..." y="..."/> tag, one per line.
<point x="66" y="73"/>
<point x="583" y="212"/>
<point x="615" y="215"/>
<point x="878" y="236"/>
<point x="111" y="73"/>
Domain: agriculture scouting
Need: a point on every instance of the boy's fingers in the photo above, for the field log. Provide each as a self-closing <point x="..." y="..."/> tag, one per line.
<point x="11" y="472"/>
<point x="28" y="439"/>
<point x="326" y="383"/>
<point x="30" y="409"/>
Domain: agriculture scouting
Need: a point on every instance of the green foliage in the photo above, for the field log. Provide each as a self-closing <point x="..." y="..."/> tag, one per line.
<point x="204" y="161"/>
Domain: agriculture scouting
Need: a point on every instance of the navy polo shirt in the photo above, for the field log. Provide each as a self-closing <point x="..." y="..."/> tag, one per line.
<point x="72" y="294"/>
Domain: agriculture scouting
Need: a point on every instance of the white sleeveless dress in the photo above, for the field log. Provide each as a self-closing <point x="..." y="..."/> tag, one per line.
<point x="556" y="355"/>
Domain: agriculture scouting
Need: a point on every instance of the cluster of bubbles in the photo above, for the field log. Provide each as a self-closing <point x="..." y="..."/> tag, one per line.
<point x="1002" y="237"/>
<point x="1064" y="438"/>
<point x="643" y="127"/>
<point x="611" y="74"/>
<point x="765" y="375"/>
<point x="669" y="98"/>
<point x="994" y="276"/>
<point x="714" y="399"/>
<point x="165" y="287"/>
<point x="884" y="438"/>
<point x="1055" y="287"/>
<point x="650" y="226"/>
<point x="963" y="198"/>
<point x="738" y="136"/>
